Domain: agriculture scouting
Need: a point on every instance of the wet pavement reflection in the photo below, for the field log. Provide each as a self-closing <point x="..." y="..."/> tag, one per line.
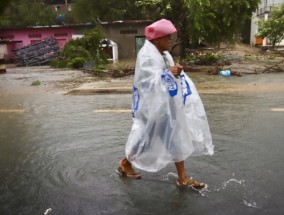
<point x="58" y="155"/>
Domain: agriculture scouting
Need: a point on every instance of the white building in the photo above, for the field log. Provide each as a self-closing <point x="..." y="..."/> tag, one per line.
<point x="263" y="11"/>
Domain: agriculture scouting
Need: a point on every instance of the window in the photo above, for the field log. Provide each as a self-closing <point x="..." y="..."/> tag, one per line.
<point x="60" y="34"/>
<point x="128" y="31"/>
<point x="34" y="35"/>
<point x="9" y="37"/>
<point x="34" y="41"/>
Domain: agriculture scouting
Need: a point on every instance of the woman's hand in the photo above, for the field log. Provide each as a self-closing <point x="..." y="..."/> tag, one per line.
<point x="176" y="70"/>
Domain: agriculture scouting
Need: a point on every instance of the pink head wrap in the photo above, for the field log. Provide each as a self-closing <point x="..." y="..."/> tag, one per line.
<point x="160" y="28"/>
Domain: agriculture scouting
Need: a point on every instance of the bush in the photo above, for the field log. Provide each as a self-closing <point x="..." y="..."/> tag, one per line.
<point x="121" y="69"/>
<point x="76" y="63"/>
<point x="77" y="52"/>
<point x="100" y="70"/>
<point x="35" y="83"/>
<point x="58" y="63"/>
<point x="72" y="51"/>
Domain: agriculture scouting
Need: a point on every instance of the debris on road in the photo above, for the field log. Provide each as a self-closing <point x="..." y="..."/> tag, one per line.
<point x="36" y="54"/>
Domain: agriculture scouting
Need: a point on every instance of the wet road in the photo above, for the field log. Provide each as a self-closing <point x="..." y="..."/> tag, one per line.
<point x="58" y="154"/>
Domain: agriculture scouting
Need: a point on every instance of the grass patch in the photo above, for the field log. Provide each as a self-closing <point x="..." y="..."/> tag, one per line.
<point x="35" y="83"/>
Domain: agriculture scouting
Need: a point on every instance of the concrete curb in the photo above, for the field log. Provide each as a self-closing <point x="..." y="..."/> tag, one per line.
<point x="80" y="91"/>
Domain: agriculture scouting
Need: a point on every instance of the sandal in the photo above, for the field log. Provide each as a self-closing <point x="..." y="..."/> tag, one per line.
<point x="191" y="183"/>
<point x="132" y="174"/>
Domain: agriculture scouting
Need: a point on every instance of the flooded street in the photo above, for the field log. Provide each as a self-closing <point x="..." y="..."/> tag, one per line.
<point x="58" y="153"/>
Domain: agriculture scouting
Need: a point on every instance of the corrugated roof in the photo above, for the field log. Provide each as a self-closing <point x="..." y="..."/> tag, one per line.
<point x="81" y="24"/>
<point x="125" y="21"/>
<point x="56" y="2"/>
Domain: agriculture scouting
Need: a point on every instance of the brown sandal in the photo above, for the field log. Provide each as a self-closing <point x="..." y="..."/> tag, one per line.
<point x="191" y="183"/>
<point x="132" y="174"/>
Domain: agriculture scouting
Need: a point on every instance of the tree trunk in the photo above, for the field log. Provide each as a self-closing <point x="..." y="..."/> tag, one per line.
<point x="183" y="36"/>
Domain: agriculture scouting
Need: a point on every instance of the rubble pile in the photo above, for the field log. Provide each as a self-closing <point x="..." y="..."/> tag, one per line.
<point x="39" y="53"/>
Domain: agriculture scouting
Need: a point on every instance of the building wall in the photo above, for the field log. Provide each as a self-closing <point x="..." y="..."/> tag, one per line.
<point x="124" y="34"/>
<point x="128" y="35"/>
<point x="14" y="38"/>
<point x="62" y="7"/>
<point x="3" y="50"/>
<point x="27" y="36"/>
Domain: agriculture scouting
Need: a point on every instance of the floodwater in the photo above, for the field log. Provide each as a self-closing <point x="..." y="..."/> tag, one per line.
<point x="58" y="155"/>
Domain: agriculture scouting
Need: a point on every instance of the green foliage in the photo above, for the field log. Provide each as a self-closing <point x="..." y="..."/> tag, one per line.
<point x="27" y="13"/>
<point x="76" y="62"/>
<point x="226" y="19"/>
<point x="3" y="5"/>
<point x="210" y="20"/>
<point x="151" y="8"/>
<point x="273" y="28"/>
<point x="77" y="52"/>
<point x="99" y="70"/>
<point x="110" y="10"/>
<point x="35" y="83"/>
<point x="75" y="48"/>
<point x="58" y="62"/>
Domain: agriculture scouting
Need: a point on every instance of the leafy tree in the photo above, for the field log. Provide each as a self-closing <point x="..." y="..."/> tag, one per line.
<point x="3" y="5"/>
<point x="57" y="1"/>
<point x="77" y="52"/>
<point x="211" y="20"/>
<point x="63" y="16"/>
<point x="151" y="9"/>
<point x="273" y="28"/>
<point x="27" y="13"/>
<point x="92" y="11"/>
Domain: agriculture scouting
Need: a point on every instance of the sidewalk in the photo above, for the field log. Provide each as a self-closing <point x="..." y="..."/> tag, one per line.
<point x="70" y="82"/>
<point x="75" y="82"/>
<point x="103" y="87"/>
<point x="204" y="83"/>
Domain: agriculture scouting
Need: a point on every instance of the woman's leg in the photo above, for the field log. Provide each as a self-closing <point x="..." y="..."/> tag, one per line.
<point x="126" y="165"/>
<point x="183" y="179"/>
<point x="125" y="168"/>
<point x="181" y="172"/>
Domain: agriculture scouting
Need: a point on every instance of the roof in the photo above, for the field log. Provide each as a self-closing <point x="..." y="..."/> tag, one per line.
<point x="125" y="22"/>
<point x="56" y="2"/>
<point x="90" y="24"/>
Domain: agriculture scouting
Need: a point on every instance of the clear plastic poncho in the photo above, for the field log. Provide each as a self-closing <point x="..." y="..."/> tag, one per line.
<point x="169" y="120"/>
